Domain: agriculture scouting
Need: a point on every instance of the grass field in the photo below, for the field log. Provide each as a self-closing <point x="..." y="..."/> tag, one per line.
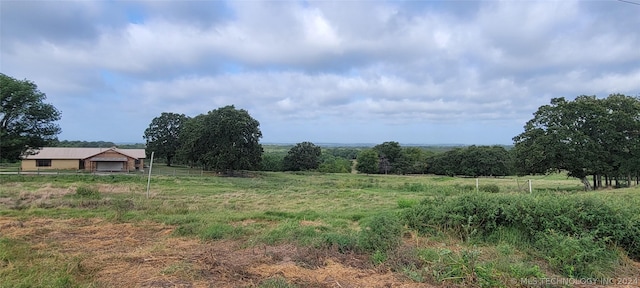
<point x="296" y="230"/>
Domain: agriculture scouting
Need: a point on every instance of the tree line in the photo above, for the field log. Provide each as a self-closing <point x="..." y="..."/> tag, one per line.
<point x="585" y="137"/>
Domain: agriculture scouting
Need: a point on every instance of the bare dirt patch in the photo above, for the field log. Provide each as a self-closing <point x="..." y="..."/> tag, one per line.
<point x="146" y="255"/>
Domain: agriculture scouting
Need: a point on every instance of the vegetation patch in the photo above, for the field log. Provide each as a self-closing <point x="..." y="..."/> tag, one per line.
<point x="409" y="231"/>
<point x="575" y="234"/>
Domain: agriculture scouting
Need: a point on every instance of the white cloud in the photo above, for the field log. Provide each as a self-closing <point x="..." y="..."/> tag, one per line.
<point x="321" y="63"/>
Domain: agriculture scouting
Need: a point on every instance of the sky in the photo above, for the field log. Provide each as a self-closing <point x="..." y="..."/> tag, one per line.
<point x="355" y="71"/>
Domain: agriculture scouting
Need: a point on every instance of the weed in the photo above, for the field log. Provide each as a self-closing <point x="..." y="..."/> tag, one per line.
<point x="290" y="231"/>
<point x="522" y="271"/>
<point x="413" y="274"/>
<point x="221" y="231"/>
<point x="276" y="282"/>
<point x="576" y="256"/>
<point x="381" y="232"/>
<point x="491" y="188"/>
<point x="188" y="229"/>
<point x="87" y="192"/>
<point x="121" y="206"/>
<point x="378" y="257"/>
<point x="407" y="203"/>
<point x="414" y="187"/>
<point x="342" y="242"/>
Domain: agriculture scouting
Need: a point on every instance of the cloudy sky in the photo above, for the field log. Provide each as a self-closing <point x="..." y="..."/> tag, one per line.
<point x="421" y="72"/>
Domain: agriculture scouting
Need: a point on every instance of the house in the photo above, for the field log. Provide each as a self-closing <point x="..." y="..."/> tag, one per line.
<point x="88" y="159"/>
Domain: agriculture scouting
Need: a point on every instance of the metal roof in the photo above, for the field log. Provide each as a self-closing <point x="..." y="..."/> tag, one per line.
<point x="109" y="159"/>
<point x="82" y="153"/>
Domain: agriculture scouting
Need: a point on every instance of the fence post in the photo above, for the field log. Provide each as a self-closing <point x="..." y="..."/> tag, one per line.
<point x="477" y="185"/>
<point x="149" y="179"/>
<point x="530" y="190"/>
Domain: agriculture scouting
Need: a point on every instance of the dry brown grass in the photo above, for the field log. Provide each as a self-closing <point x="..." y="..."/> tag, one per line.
<point x="146" y="255"/>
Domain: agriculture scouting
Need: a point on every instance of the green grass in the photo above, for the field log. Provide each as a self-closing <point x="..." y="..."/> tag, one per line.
<point x="347" y="211"/>
<point x="21" y="266"/>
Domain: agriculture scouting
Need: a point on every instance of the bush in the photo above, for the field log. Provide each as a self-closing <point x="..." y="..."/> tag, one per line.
<point x="121" y="207"/>
<point x="87" y="192"/>
<point x="491" y="188"/>
<point x="407" y="203"/>
<point x="414" y="187"/>
<point x="576" y="256"/>
<point x="381" y="232"/>
<point x="343" y="243"/>
<point x="575" y="231"/>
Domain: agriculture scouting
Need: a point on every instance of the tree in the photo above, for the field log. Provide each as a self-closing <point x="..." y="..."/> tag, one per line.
<point x="413" y="161"/>
<point x="303" y="156"/>
<point x="225" y="139"/>
<point x="621" y="138"/>
<point x="368" y="161"/>
<point x="272" y="161"/>
<point x="163" y="135"/>
<point x="26" y="122"/>
<point x="390" y="154"/>
<point x="333" y="164"/>
<point x="472" y="161"/>
<point x="78" y="143"/>
<point x="587" y="136"/>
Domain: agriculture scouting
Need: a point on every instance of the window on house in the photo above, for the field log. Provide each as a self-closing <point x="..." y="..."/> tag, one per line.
<point x="43" y="163"/>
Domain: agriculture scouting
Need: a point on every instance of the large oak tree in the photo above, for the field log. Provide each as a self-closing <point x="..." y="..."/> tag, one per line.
<point x="26" y="122"/>
<point x="586" y="136"/>
<point x="225" y="139"/>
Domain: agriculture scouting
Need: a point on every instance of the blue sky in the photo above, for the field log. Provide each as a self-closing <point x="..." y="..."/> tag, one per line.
<point x="419" y="72"/>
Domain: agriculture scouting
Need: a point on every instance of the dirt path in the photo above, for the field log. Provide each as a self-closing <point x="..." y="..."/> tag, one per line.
<point x="146" y="255"/>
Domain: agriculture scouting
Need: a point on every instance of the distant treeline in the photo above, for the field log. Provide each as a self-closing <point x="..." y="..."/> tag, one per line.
<point x="392" y="158"/>
<point x="99" y="144"/>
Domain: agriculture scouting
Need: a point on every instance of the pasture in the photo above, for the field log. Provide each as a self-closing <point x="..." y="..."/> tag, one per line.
<point x="302" y="230"/>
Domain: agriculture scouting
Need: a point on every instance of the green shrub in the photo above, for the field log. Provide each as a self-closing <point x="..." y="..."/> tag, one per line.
<point x="582" y="226"/>
<point x="216" y="231"/>
<point x="576" y="256"/>
<point x="378" y="257"/>
<point x="491" y="188"/>
<point x="342" y="242"/>
<point x="530" y="215"/>
<point x="381" y="232"/>
<point x="121" y="206"/>
<point x="407" y="203"/>
<point x="522" y="271"/>
<point x="414" y="187"/>
<point x="467" y="187"/>
<point x="458" y="267"/>
<point x="88" y="192"/>
<point x="188" y="229"/>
